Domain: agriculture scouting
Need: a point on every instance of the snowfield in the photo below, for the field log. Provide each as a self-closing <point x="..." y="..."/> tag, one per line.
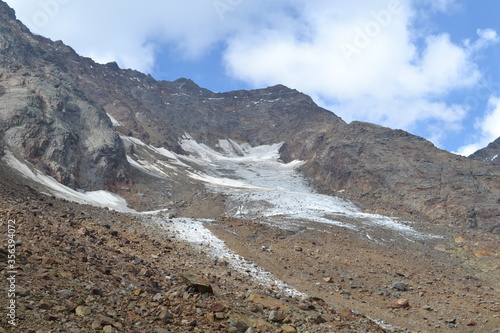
<point x="261" y="186"/>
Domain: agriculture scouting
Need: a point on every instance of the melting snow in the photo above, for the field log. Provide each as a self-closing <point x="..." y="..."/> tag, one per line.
<point x="194" y="231"/>
<point x="95" y="198"/>
<point x="494" y="157"/>
<point x="114" y="121"/>
<point x="260" y="185"/>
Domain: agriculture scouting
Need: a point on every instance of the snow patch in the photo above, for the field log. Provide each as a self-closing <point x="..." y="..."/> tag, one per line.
<point x="115" y="122"/>
<point x="95" y="198"/>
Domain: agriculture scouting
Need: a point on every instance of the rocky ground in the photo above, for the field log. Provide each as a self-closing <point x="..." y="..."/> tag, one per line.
<point x="86" y="269"/>
<point x="448" y="284"/>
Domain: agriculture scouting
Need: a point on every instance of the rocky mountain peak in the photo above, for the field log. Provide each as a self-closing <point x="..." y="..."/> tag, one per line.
<point x="489" y="154"/>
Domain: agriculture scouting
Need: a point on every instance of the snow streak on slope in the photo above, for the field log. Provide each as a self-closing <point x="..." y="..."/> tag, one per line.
<point x="94" y="198"/>
<point x="194" y="232"/>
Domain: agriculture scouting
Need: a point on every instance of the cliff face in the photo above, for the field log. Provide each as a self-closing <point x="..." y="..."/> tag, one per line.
<point x="392" y="170"/>
<point x="46" y="119"/>
<point x="53" y="106"/>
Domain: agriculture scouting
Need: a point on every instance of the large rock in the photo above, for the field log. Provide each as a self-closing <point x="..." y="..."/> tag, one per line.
<point x="197" y="282"/>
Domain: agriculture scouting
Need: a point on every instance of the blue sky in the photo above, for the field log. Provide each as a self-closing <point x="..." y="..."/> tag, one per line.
<point x="430" y="67"/>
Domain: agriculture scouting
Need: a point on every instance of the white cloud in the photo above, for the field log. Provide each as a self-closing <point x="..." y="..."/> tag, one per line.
<point x="488" y="128"/>
<point x="362" y="63"/>
<point x="126" y="31"/>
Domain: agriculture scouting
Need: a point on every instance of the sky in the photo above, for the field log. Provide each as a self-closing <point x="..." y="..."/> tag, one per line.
<point x="430" y="67"/>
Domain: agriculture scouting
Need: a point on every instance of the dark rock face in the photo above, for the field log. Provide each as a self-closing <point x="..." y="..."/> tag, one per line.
<point x="391" y="170"/>
<point x="53" y="106"/>
<point x="490" y="154"/>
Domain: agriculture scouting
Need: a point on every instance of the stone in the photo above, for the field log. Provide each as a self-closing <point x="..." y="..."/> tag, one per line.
<point x="48" y="261"/>
<point x="58" y="308"/>
<point x="277" y="316"/>
<point x="119" y="326"/>
<point x="288" y="329"/>
<point x="66" y="293"/>
<point x="50" y="318"/>
<point x="146" y="272"/>
<point x="161" y="330"/>
<point x="240" y="326"/>
<point x="210" y="317"/>
<point x="220" y="315"/>
<point x="400" y="286"/>
<point x="319" y="320"/>
<point x="109" y="329"/>
<point x="83" y="311"/>
<point x="158" y="297"/>
<point x="165" y="316"/>
<point x="198" y="283"/>
<point x="95" y="325"/>
<point x="401" y="303"/>
<point x="44" y="306"/>
<point x="103" y="320"/>
<point x="218" y="308"/>
<point x="306" y="306"/>
<point x="265" y="301"/>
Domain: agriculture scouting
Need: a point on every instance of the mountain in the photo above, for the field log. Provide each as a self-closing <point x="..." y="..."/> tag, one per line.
<point x="488" y="154"/>
<point x="54" y="109"/>
<point x="134" y="199"/>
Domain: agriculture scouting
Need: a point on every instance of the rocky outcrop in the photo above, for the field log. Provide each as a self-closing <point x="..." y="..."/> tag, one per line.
<point x="47" y="120"/>
<point x="490" y="154"/>
<point x="392" y="170"/>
